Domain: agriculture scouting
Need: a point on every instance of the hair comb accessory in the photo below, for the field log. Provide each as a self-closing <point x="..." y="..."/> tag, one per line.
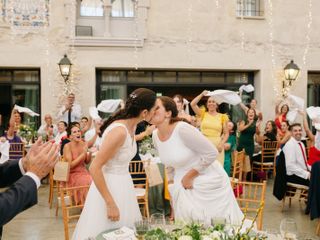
<point x="133" y="95"/>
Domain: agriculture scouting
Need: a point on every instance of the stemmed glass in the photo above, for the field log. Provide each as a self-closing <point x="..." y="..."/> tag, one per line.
<point x="141" y="228"/>
<point x="288" y="229"/>
<point x="157" y="220"/>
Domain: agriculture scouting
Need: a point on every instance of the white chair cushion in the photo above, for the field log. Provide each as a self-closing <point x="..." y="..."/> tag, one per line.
<point x="140" y="192"/>
<point x="297" y="186"/>
<point x="265" y="163"/>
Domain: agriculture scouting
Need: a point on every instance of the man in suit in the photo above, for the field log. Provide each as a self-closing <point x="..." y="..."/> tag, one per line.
<point x="23" y="179"/>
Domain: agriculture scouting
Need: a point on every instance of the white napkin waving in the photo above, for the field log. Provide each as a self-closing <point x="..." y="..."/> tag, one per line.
<point x="109" y="106"/>
<point x="4" y="150"/>
<point x="186" y="104"/>
<point x="247" y="88"/>
<point x="295" y="104"/>
<point x="314" y="113"/>
<point x="93" y="112"/>
<point x="26" y="110"/>
<point x="226" y="96"/>
<point x="123" y="233"/>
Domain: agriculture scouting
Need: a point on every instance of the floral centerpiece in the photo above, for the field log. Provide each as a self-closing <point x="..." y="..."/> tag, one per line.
<point x="26" y="132"/>
<point x="146" y="146"/>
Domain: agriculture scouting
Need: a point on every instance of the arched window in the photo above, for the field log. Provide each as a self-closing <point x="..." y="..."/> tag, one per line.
<point x="91" y="8"/>
<point x="122" y="8"/>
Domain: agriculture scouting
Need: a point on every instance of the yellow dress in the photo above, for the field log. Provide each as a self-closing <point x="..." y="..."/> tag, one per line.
<point x="212" y="128"/>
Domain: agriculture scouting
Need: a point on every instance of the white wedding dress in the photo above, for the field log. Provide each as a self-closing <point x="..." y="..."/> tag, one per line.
<point x="93" y="219"/>
<point x="211" y="195"/>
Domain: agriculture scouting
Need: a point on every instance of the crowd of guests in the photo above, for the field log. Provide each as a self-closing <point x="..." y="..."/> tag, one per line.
<point x="77" y="134"/>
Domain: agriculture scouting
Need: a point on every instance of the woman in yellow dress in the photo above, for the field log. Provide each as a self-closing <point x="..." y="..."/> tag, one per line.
<point x="213" y="124"/>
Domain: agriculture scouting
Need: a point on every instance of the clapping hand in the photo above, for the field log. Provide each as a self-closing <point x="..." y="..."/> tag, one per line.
<point x="41" y="158"/>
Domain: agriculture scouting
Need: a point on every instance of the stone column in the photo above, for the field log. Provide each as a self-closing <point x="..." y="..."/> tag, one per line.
<point x="107" y="7"/>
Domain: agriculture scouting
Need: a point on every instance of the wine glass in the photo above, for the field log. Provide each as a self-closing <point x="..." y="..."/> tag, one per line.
<point x="141" y="228"/>
<point x="157" y="220"/>
<point x="288" y="229"/>
<point x="219" y="222"/>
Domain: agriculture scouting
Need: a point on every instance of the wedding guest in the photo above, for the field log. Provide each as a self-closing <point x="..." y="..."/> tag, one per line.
<point x="92" y="136"/>
<point x="247" y="130"/>
<point x="75" y="152"/>
<point x="270" y="133"/>
<point x="201" y="188"/>
<point x="229" y="147"/>
<point x="111" y="201"/>
<point x="62" y="132"/>
<point x="281" y="116"/>
<point x="213" y="124"/>
<point x="85" y="124"/>
<point x="71" y="111"/>
<point x="314" y="148"/>
<point x="284" y="134"/>
<point x="298" y="170"/>
<point x="17" y="120"/>
<point x="179" y="100"/>
<point x="253" y="105"/>
<point x="48" y="128"/>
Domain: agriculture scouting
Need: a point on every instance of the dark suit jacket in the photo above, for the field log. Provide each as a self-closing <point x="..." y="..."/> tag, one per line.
<point x="280" y="181"/>
<point x="313" y="205"/>
<point x="21" y="194"/>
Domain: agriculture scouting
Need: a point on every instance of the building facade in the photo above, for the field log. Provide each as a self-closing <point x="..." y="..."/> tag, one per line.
<point x="179" y="46"/>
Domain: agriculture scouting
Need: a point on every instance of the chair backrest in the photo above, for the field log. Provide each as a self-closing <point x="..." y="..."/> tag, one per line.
<point x="251" y="199"/>
<point x="72" y="201"/>
<point x="268" y="150"/>
<point x="238" y="160"/>
<point x="138" y="173"/>
<point x="16" y="151"/>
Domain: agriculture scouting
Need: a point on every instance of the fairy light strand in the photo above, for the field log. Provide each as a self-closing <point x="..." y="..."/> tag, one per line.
<point x="309" y="26"/>
<point x="190" y="27"/>
<point x="136" y="36"/>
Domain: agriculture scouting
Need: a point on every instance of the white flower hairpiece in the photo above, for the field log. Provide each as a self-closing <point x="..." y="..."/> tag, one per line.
<point x="133" y="95"/>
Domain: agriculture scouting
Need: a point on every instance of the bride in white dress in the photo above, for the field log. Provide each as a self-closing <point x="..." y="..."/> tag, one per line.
<point x="201" y="188"/>
<point x="111" y="201"/>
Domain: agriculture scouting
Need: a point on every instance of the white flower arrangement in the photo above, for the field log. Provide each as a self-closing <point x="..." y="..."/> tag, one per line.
<point x="146" y="146"/>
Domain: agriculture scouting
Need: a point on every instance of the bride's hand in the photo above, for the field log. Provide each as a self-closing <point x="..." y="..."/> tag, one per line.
<point x="187" y="182"/>
<point x="113" y="212"/>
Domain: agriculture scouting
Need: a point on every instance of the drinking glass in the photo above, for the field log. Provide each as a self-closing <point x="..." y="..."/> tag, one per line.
<point x="141" y="228"/>
<point x="157" y="220"/>
<point x="288" y="229"/>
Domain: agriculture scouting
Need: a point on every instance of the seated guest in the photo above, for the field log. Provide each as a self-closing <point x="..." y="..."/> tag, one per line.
<point x="92" y="136"/>
<point x="12" y="136"/>
<point x="229" y="147"/>
<point x="281" y="115"/>
<point x="62" y="127"/>
<point x="47" y="127"/>
<point x="284" y="134"/>
<point x="85" y="124"/>
<point x="298" y="170"/>
<point x="270" y="133"/>
<point x="17" y="120"/>
<point x="75" y="152"/>
<point x="66" y="140"/>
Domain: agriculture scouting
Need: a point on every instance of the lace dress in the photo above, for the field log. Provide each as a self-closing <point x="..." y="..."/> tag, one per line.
<point x="211" y="195"/>
<point x="93" y="219"/>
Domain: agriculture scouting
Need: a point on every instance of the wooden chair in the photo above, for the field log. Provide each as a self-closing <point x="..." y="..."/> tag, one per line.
<point x="16" y="150"/>
<point x="141" y="186"/>
<point x="292" y="190"/>
<point x="237" y="166"/>
<point x="267" y="162"/>
<point x="72" y="205"/>
<point x="251" y="198"/>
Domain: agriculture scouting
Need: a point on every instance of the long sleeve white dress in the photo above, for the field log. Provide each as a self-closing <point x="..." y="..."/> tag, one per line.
<point x="211" y="195"/>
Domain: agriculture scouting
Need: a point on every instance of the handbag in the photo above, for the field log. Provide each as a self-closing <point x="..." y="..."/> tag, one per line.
<point x="61" y="171"/>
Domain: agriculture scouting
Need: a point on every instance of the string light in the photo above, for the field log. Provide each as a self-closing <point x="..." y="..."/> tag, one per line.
<point x="241" y="29"/>
<point x="217" y="4"/>
<point x="136" y="37"/>
<point x="190" y="27"/>
<point x="309" y="25"/>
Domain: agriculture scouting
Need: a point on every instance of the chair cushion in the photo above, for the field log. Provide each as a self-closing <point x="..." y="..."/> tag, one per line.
<point x="265" y="163"/>
<point x="295" y="185"/>
<point x="140" y="192"/>
<point x="234" y="179"/>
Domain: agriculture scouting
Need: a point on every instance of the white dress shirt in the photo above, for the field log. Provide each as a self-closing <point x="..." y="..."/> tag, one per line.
<point x="42" y="130"/>
<point x="90" y="134"/>
<point x="76" y="113"/>
<point x="295" y="162"/>
<point x="30" y="174"/>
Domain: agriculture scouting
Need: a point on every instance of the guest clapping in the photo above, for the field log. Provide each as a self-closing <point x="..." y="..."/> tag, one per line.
<point x="70" y="112"/>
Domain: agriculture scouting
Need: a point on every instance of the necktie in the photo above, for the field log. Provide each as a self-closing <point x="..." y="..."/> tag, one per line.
<point x="69" y="116"/>
<point x="304" y="156"/>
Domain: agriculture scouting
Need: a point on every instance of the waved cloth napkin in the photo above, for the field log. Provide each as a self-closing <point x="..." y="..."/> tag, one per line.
<point x="123" y="233"/>
<point x="26" y="110"/>
<point x="4" y="150"/>
<point x="109" y="106"/>
<point x="295" y="103"/>
<point x="226" y="96"/>
<point x="93" y="112"/>
<point x="247" y="88"/>
<point x="314" y="113"/>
